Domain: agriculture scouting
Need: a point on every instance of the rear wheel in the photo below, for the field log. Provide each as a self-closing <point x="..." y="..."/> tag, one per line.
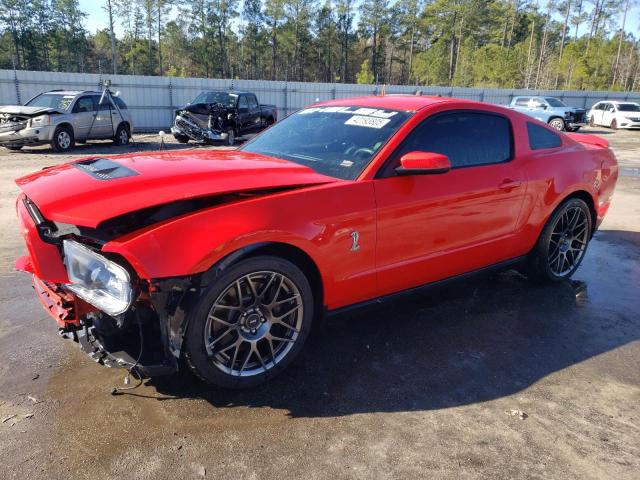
<point x="15" y="148"/>
<point x="557" y="123"/>
<point x="592" y="123"/>
<point x="251" y="323"/>
<point x="562" y="243"/>
<point x="62" y="139"/>
<point x="122" y="135"/>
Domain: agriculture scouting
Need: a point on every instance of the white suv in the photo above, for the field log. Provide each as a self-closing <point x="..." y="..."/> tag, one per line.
<point x="62" y="117"/>
<point x="614" y="114"/>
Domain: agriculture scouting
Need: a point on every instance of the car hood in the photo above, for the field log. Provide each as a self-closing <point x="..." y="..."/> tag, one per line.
<point x="89" y="191"/>
<point x="27" y="111"/>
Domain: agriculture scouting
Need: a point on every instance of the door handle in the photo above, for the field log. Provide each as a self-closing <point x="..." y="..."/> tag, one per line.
<point x="509" y="184"/>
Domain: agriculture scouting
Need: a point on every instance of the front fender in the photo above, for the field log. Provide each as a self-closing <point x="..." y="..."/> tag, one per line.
<point x="318" y="220"/>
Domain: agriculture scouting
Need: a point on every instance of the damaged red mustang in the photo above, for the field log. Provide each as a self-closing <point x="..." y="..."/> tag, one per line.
<point x="226" y="258"/>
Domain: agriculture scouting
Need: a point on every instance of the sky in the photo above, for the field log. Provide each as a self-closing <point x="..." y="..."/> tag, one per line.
<point x="97" y="18"/>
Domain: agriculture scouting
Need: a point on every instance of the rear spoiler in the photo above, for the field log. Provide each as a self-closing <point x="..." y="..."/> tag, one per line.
<point x="587" y="139"/>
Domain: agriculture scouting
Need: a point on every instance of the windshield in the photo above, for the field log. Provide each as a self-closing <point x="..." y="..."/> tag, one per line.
<point x="335" y="141"/>
<point x="628" y="107"/>
<point x="554" y="102"/>
<point x="51" y="100"/>
<point x="226" y="99"/>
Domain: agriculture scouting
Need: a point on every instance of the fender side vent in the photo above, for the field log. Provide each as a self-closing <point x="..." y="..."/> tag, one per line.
<point x="104" y="169"/>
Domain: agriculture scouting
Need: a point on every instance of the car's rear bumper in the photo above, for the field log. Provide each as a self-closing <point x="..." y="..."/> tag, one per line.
<point x="27" y="136"/>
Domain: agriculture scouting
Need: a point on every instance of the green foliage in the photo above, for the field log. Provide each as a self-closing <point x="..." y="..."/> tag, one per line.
<point x="483" y="43"/>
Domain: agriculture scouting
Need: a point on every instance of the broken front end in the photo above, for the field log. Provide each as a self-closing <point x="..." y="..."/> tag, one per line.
<point x="96" y="298"/>
<point x="203" y="122"/>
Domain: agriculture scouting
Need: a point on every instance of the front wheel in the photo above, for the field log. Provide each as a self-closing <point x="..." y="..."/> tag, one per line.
<point x="62" y="139"/>
<point x="614" y="124"/>
<point x="557" y="123"/>
<point x="231" y="137"/>
<point x="251" y="323"/>
<point x="562" y="243"/>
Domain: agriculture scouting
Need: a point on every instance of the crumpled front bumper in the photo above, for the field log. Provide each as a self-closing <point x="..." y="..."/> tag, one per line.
<point x="27" y="136"/>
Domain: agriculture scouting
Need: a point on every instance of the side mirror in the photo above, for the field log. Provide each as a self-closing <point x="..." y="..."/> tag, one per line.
<point x="423" y="163"/>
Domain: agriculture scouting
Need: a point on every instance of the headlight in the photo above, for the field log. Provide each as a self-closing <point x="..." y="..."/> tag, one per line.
<point x="41" y="121"/>
<point x="101" y="282"/>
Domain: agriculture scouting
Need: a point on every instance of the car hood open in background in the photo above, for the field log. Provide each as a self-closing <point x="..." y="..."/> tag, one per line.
<point x="90" y="191"/>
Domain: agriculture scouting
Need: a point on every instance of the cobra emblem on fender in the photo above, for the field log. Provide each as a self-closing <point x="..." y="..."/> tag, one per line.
<point x="355" y="241"/>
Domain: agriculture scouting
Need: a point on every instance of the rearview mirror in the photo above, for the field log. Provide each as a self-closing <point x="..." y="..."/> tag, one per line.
<point x="423" y="163"/>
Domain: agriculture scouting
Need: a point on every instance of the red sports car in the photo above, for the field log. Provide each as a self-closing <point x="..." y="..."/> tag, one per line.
<point x="226" y="258"/>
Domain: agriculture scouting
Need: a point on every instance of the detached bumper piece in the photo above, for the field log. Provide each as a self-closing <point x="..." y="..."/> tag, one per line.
<point x="65" y="308"/>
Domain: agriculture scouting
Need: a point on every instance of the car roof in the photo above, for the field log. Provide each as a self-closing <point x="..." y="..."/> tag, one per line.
<point x="72" y="92"/>
<point x="233" y="92"/>
<point x="395" y="102"/>
<point x="619" y="102"/>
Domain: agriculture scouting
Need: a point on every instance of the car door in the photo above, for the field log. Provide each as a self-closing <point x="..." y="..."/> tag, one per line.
<point x="607" y="114"/>
<point x="254" y="109"/>
<point x="83" y="116"/>
<point x="436" y="226"/>
<point x="106" y="114"/>
<point x="244" y="116"/>
<point x="538" y="107"/>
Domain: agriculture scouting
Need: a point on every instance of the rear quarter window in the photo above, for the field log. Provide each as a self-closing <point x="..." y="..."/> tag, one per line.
<point x="540" y="138"/>
<point x="120" y="103"/>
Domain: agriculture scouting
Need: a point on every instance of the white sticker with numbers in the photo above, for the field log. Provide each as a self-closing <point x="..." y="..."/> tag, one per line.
<point x="369" y="122"/>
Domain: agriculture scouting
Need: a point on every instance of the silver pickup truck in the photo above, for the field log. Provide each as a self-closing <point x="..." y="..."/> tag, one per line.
<point x="552" y="111"/>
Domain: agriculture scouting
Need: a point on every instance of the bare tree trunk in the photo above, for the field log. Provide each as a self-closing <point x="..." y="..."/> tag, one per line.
<point x="453" y="46"/>
<point x="528" y="68"/>
<point x="562" y="39"/>
<point x="113" y="37"/>
<point x="543" y="45"/>
<point x="620" y="39"/>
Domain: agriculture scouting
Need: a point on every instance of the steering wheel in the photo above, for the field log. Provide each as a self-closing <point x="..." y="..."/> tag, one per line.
<point x="363" y="150"/>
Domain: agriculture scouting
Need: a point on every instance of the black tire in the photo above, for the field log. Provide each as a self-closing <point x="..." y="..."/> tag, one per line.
<point x="181" y="138"/>
<point x="614" y="124"/>
<point x="231" y="137"/>
<point x="539" y="262"/>
<point x="592" y="123"/>
<point x="63" y="139"/>
<point x="203" y="364"/>
<point x="573" y="129"/>
<point x="14" y="148"/>
<point x="558" y="124"/>
<point x="122" y="135"/>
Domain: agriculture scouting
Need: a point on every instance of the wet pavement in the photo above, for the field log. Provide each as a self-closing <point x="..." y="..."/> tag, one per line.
<point x="430" y="387"/>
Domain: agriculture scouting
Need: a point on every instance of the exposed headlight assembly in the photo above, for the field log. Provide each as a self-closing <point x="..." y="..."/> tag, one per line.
<point x="97" y="280"/>
<point x="40" y="121"/>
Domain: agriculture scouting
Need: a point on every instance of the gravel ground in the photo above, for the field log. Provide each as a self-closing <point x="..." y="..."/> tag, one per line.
<point x="492" y="378"/>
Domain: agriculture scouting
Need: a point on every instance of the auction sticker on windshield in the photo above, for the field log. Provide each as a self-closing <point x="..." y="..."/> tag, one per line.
<point x="369" y="112"/>
<point x="369" y="122"/>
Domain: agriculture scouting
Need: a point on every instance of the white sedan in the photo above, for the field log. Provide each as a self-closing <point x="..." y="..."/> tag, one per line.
<point x="614" y="114"/>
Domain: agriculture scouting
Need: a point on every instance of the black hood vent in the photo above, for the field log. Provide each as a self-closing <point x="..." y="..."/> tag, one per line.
<point x="104" y="169"/>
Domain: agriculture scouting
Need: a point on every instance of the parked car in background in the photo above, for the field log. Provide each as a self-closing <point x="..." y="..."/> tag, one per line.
<point x="551" y="111"/>
<point x="61" y="118"/>
<point x="226" y="258"/>
<point x="615" y="114"/>
<point x="222" y="116"/>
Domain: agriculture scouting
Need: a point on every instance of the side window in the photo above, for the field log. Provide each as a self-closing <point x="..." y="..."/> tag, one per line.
<point x="242" y="103"/>
<point x="253" y="102"/>
<point x="523" y="101"/>
<point x="541" y="138"/>
<point x="105" y="102"/>
<point x="120" y="103"/>
<point x="84" y="104"/>
<point x="468" y="138"/>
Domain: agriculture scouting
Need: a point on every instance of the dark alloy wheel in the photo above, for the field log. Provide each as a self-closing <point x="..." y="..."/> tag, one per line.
<point x="251" y="323"/>
<point x="563" y="242"/>
<point x="614" y="124"/>
<point x="62" y="139"/>
<point x="557" y="123"/>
